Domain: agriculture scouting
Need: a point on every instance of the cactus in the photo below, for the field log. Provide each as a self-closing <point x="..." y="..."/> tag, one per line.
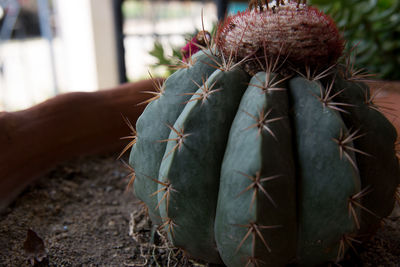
<point x="262" y="150"/>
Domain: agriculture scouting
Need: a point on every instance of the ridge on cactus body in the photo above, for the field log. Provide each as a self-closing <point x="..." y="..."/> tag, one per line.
<point x="263" y="150"/>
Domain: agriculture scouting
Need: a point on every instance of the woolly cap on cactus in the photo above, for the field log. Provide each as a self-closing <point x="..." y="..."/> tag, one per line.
<point x="298" y="33"/>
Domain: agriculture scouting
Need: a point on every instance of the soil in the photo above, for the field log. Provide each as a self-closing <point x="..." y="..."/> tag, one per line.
<point x="80" y="214"/>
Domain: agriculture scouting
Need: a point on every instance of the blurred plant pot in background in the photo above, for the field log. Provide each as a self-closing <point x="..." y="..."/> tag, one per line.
<point x="34" y="140"/>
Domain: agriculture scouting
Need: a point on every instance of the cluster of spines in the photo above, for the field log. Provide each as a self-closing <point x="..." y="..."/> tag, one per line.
<point x="158" y="91"/>
<point x="255" y="230"/>
<point x="179" y="139"/>
<point x="166" y="189"/>
<point x="133" y="137"/>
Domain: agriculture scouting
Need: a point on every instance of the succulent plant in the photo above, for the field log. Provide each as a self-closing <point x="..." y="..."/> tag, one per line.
<point x="262" y="150"/>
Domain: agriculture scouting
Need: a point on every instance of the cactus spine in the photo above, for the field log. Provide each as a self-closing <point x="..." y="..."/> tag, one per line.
<point x="262" y="150"/>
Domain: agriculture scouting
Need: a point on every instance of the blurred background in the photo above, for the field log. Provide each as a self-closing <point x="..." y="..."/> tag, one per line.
<point x="48" y="47"/>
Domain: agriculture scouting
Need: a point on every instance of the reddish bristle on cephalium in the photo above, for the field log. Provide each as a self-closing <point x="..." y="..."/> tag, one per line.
<point x="298" y="34"/>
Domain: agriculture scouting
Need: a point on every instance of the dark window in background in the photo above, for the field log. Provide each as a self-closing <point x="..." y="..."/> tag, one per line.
<point x="25" y="12"/>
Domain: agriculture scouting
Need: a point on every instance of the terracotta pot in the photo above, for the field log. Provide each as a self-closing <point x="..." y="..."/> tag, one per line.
<point x="34" y="140"/>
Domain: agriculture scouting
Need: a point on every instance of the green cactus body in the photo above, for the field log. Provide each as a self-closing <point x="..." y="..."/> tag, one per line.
<point x="377" y="160"/>
<point x="258" y="186"/>
<point x="163" y="111"/>
<point x="245" y="161"/>
<point x="324" y="175"/>
<point x="201" y="154"/>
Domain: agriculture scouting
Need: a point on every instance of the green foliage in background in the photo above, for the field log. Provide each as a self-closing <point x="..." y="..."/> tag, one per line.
<point x="374" y="27"/>
<point x="163" y="59"/>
